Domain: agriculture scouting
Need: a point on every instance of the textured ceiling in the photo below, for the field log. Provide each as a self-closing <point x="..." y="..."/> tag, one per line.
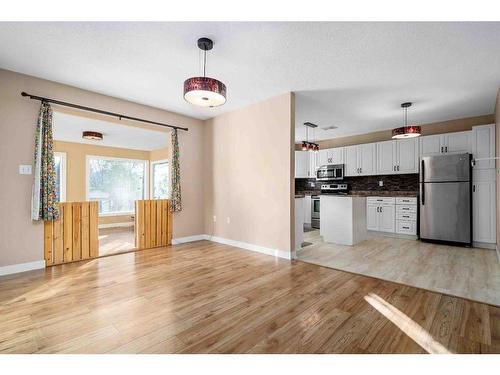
<point x="352" y="75"/>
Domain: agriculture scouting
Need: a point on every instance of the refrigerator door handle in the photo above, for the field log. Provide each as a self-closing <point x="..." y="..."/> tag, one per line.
<point x="423" y="182"/>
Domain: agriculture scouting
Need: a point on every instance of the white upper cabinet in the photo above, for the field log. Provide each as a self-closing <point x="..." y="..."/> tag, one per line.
<point x="336" y="155"/>
<point x="450" y="143"/>
<point x="331" y="156"/>
<point x="367" y="155"/>
<point x="407" y="156"/>
<point x="313" y="164"/>
<point x="360" y="160"/>
<point x="386" y="157"/>
<point x="397" y="157"/>
<point x="322" y="157"/>
<point x="431" y="145"/>
<point x="456" y="143"/>
<point x="351" y="161"/>
<point x="302" y="164"/>
<point x="483" y="145"/>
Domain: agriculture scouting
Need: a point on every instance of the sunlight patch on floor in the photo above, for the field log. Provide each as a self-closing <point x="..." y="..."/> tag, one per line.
<point x="406" y="324"/>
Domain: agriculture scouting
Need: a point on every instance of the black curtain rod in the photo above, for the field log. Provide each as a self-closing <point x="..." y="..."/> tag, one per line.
<point x="89" y="109"/>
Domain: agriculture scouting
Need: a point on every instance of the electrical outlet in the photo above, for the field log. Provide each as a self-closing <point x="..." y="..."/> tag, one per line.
<point x="215" y="219"/>
<point x="228" y="220"/>
<point x="381" y="183"/>
<point x="25" y="169"/>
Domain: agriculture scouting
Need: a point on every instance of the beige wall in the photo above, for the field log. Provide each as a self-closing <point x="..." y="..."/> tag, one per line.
<point x="427" y="129"/>
<point x="21" y="239"/>
<point x="248" y="174"/>
<point x="76" y="165"/>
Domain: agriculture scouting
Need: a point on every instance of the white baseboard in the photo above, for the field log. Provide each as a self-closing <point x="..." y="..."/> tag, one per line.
<point x="22" y="267"/>
<point x="116" y="225"/>
<point x="198" y="237"/>
<point x="484" y="245"/>
<point x="248" y="246"/>
<point x="242" y="245"/>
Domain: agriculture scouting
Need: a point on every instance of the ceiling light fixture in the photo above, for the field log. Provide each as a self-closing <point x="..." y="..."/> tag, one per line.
<point x="204" y="91"/>
<point x="307" y="145"/>
<point x="92" y="136"/>
<point x="407" y="131"/>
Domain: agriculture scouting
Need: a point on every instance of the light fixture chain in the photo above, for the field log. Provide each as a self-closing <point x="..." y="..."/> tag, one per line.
<point x="204" y="63"/>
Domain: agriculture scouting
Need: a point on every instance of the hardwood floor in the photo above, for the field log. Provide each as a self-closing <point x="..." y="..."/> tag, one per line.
<point x="463" y="272"/>
<point x="116" y="240"/>
<point x="205" y="297"/>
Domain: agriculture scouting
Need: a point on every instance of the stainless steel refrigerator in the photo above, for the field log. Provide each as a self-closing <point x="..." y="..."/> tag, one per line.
<point x="446" y="198"/>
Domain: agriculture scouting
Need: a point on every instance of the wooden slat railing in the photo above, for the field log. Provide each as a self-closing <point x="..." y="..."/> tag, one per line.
<point x="74" y="236"/>
<point x="153" y="223"/>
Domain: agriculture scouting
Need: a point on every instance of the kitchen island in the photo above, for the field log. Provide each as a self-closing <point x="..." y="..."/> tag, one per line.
<point x="343" y="219"/>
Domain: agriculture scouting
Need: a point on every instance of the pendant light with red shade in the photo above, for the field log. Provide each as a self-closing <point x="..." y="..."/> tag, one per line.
<point x="204" y="91"/>
<point x="406" y="131"/>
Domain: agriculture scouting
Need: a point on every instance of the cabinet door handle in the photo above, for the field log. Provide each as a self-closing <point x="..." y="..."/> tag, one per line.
<point x="473" y="188"/>
<point x="446" y="149"/>
<point x="360" y="169"/>
<point x="406" y="227"/>
<point x="377" y="209"/>
<point x="442" y="149"/>
<point x="398" y="168"/>
<point x="381" y="209"/>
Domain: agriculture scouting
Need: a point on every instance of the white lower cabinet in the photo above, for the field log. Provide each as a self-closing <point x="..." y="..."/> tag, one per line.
<point x="392" y="215"/>
<point x="406" y="227"/>
<point x="387" y="218"/>
<point x="483" y="206"/>
<point x="372" y="216"/>
<point x="381" y="214"/>
<point x="307" y="209"/>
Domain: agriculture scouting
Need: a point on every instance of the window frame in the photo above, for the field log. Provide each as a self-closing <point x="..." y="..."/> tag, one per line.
<point x="62" y="183"/>
<point x="151" y="177"/>
<point x="145" y="181"/>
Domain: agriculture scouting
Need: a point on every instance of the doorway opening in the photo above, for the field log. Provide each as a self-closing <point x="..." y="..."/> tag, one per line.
<point x="128" y="164"/>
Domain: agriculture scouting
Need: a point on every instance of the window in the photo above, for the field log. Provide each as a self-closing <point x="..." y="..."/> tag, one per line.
<point x="116" y="183"/>
<point x="159" y="179"/>
<point x="60" y="164"/>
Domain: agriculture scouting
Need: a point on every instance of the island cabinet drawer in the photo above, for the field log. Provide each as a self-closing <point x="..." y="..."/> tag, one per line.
<point x="406" y="208"/>
<point x="408" y="216"/>
<point x="406" y="200"/>
<point x="406" y="227"/>
<point x="381" y="200"/>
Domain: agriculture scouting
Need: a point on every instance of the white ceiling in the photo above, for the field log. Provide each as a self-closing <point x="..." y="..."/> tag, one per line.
<point x="69" y="128"/>
<point x="353" y="75"/>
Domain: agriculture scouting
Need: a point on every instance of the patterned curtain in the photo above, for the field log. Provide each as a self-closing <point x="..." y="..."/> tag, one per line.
<point x="44" y="205"/>
<point x="176" y="174"/>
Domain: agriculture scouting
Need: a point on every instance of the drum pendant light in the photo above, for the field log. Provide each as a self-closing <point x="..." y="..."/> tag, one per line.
<point x="407" y="131"/>
<point x="204" y="91"/>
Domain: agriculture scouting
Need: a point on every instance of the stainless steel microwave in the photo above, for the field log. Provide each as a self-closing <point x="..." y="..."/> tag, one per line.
<point x="330" y="172"/>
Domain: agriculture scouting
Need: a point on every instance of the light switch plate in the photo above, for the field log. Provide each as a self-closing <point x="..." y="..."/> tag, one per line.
<point x="25" y="169"/>
<point x="381" y="183"/>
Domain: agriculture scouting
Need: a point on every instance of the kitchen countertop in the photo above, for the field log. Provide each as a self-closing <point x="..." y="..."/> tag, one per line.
<point x="371" y="193"/>
<point x="368" y="193"/>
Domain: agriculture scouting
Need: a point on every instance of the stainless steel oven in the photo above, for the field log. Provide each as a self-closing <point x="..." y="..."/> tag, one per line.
<point x="315" y="211"/>
<point x="330" y="172"/>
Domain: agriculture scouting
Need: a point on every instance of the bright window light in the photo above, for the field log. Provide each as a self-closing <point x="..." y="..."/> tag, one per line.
<point x="116" y="183"/>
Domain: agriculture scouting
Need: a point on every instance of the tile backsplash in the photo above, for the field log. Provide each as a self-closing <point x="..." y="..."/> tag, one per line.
<point x="400" y="182"/>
